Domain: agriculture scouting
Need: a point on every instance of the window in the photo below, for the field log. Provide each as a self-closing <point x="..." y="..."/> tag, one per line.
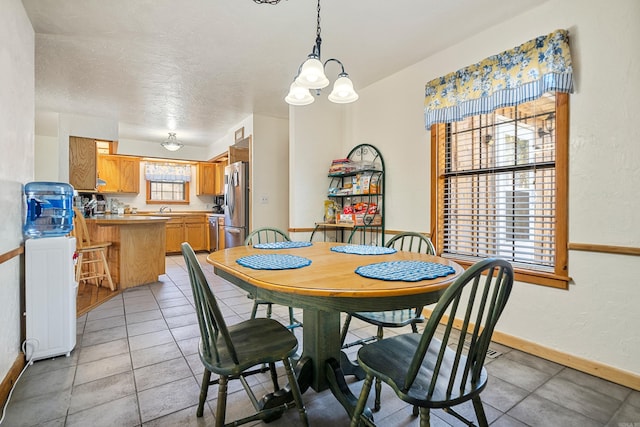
<point x="167" y="183"/>
<point x="159" y="191"/>
<point x="501" y="188"/>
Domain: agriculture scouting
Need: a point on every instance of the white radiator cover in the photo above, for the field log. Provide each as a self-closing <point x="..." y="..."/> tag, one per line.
<point x="50" y="297"/>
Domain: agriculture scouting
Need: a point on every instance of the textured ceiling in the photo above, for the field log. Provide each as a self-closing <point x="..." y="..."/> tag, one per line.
<point x="199" y="67"/>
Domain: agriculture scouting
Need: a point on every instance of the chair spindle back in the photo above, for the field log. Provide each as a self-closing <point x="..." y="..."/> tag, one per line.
<point x="210" y="318"/>
<point x="266" y="235"/>
<point x="412" y="242"/>
<point x="486" y="285"/>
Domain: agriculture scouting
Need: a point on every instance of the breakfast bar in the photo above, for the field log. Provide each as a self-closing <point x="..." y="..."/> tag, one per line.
<point x="137" y="253"/>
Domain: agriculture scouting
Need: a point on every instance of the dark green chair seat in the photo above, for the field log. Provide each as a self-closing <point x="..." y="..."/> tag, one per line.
<point x="230" y="351"/>
<point x="269" y="235"/>
<point x="429" y="372"/>
<point x="411" y="242"/>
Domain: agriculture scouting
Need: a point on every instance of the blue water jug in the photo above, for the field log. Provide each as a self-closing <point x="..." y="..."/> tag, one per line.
<point x="49" y="209"/>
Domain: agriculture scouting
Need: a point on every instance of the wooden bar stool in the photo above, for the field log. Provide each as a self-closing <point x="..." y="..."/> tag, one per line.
<point x="89" y="254"/>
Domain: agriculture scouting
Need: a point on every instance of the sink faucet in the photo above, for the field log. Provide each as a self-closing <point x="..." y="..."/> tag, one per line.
<point x="165" y="208"/>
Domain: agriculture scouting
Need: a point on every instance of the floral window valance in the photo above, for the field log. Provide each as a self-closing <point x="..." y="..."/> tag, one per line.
<point x="509" y="78"/>
<point x="167" y="172"/>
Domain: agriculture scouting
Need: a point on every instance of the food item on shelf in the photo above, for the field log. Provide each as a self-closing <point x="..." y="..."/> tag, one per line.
<point x="340" y="166"/>
<point x="329" y="211"/>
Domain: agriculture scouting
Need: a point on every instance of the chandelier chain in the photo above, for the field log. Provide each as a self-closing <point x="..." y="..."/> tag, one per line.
<point x="318" y="28"/>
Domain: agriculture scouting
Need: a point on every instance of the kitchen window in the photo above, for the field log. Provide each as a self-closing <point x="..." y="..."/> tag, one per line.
<point x="500" y="188"/>
<point x="167" y="183"/>
<point x="169" y="192"/>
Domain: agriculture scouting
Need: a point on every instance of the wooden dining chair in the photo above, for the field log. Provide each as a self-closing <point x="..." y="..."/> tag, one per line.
<point x="269" y="235"/>
<point x="428" y="372"/>
<point x="230" y="351"/>
<point x="92" y="256"/>
<point x="408" y="241"/>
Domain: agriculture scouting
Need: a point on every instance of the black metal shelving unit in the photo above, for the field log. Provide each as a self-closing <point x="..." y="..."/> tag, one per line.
<point x="367" y="190"/>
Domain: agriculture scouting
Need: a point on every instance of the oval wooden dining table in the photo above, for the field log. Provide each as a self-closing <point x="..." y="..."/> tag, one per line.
<point x="326" y="287"/>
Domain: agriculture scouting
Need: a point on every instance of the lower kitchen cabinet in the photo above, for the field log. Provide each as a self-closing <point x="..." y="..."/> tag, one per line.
<point x="175" y="234"/>
<point x="193" y="229"/>
<point x="196" y="229"/>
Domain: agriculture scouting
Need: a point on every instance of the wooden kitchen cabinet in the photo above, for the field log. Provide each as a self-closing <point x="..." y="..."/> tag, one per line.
<point x="219" y="180"/>
<point x="191" y="228"/>
<point x="238" y="154"/>
<point x="82" y="163"/>
<point x="174" y="234"/>
<point x="206" y="179"/>
<point x="196" y="229"/>
<point x="122" y="173"/>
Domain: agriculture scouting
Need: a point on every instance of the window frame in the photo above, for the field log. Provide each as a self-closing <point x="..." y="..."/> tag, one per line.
<point x="559" y="278"/>
<point x="185" y="201"/>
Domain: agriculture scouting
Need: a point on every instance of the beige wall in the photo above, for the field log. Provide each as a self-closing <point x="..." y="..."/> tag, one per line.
<point x="597" y="317"/>
<point x="16" y="162"/>
<point x="270" y="173"/>
<point x="316" y="135"/>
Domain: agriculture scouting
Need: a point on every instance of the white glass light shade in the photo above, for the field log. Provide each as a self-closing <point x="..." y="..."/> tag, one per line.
<point x="172" y="143"/>
<point x="343" y="92"/>
<point x="312" y="75"/>
<point x="299" y="95"/>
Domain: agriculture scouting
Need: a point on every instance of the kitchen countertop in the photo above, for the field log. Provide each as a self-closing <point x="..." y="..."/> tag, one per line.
<point x="126" y="219"/>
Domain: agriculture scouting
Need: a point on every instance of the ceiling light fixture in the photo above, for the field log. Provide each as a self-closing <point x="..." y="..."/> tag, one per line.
<point x="267" y="1"/>
<point x="172" y="143"/>
<point x="311" y="76"/>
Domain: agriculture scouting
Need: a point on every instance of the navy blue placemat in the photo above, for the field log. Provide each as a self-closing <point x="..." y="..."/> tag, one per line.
<point x="364" y="250"/>
<point x="282" y="245"/>
<point x="405" y="271"/>
<point x="273" y="262"/>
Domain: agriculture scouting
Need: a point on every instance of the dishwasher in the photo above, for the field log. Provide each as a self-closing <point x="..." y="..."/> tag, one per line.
<point x="213" y="233"/>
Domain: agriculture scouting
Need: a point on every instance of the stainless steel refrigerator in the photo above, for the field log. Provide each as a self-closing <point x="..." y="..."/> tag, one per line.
<point x="236" y="204"/>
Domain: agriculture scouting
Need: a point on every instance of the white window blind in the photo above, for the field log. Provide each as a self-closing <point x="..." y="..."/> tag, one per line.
<point x="499" y="185"/>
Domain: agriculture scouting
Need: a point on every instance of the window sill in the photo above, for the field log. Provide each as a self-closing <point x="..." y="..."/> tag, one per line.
<point x="531" y="276"/>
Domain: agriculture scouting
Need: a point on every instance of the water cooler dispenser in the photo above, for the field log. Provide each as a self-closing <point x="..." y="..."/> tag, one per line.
<point x="50" y="288"/>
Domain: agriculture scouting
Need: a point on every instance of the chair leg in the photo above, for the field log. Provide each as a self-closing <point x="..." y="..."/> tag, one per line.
<point x="425" y="416"/>
<point x="105" y="266"/>
<point x="477" y="406"/>
<point x="254" y="310"/>
<point x="362" y="401"/>
<point x="221" y="409"/>
<point x="293" y="322"/>
<point x="79" y="266"/>
<point x="274" y="376"/>
<point x="376" y="403"/>
<point x="269" y="310"/>
<point x="345" y="329"/>
<point x="204" y="389"/>
<point x="295" y="389"/>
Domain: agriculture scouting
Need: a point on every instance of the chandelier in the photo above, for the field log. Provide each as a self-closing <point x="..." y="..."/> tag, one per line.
<point x="311" y="75"/>
<point x="172" y="144"/>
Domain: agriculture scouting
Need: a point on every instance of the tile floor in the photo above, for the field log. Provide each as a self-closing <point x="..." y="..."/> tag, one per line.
<point x="136" y="364"/>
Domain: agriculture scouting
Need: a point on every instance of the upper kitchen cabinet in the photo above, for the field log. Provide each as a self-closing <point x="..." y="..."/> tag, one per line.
<point x="238" y="154"/>
<point x="219" y="181"/>
<point x="210" y="178"/>
<point x="82" y="163"/>
<point x="121" y="173"/>
<point x="206" y="179"/>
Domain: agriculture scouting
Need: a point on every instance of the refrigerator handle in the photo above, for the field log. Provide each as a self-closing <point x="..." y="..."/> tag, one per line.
<point x="231" y="203"/>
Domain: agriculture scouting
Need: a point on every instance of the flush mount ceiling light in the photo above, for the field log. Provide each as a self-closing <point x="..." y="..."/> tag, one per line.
<point x="172" y="144"/>
<point x="311" y="76"/>
<point x="267" y="1"/>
